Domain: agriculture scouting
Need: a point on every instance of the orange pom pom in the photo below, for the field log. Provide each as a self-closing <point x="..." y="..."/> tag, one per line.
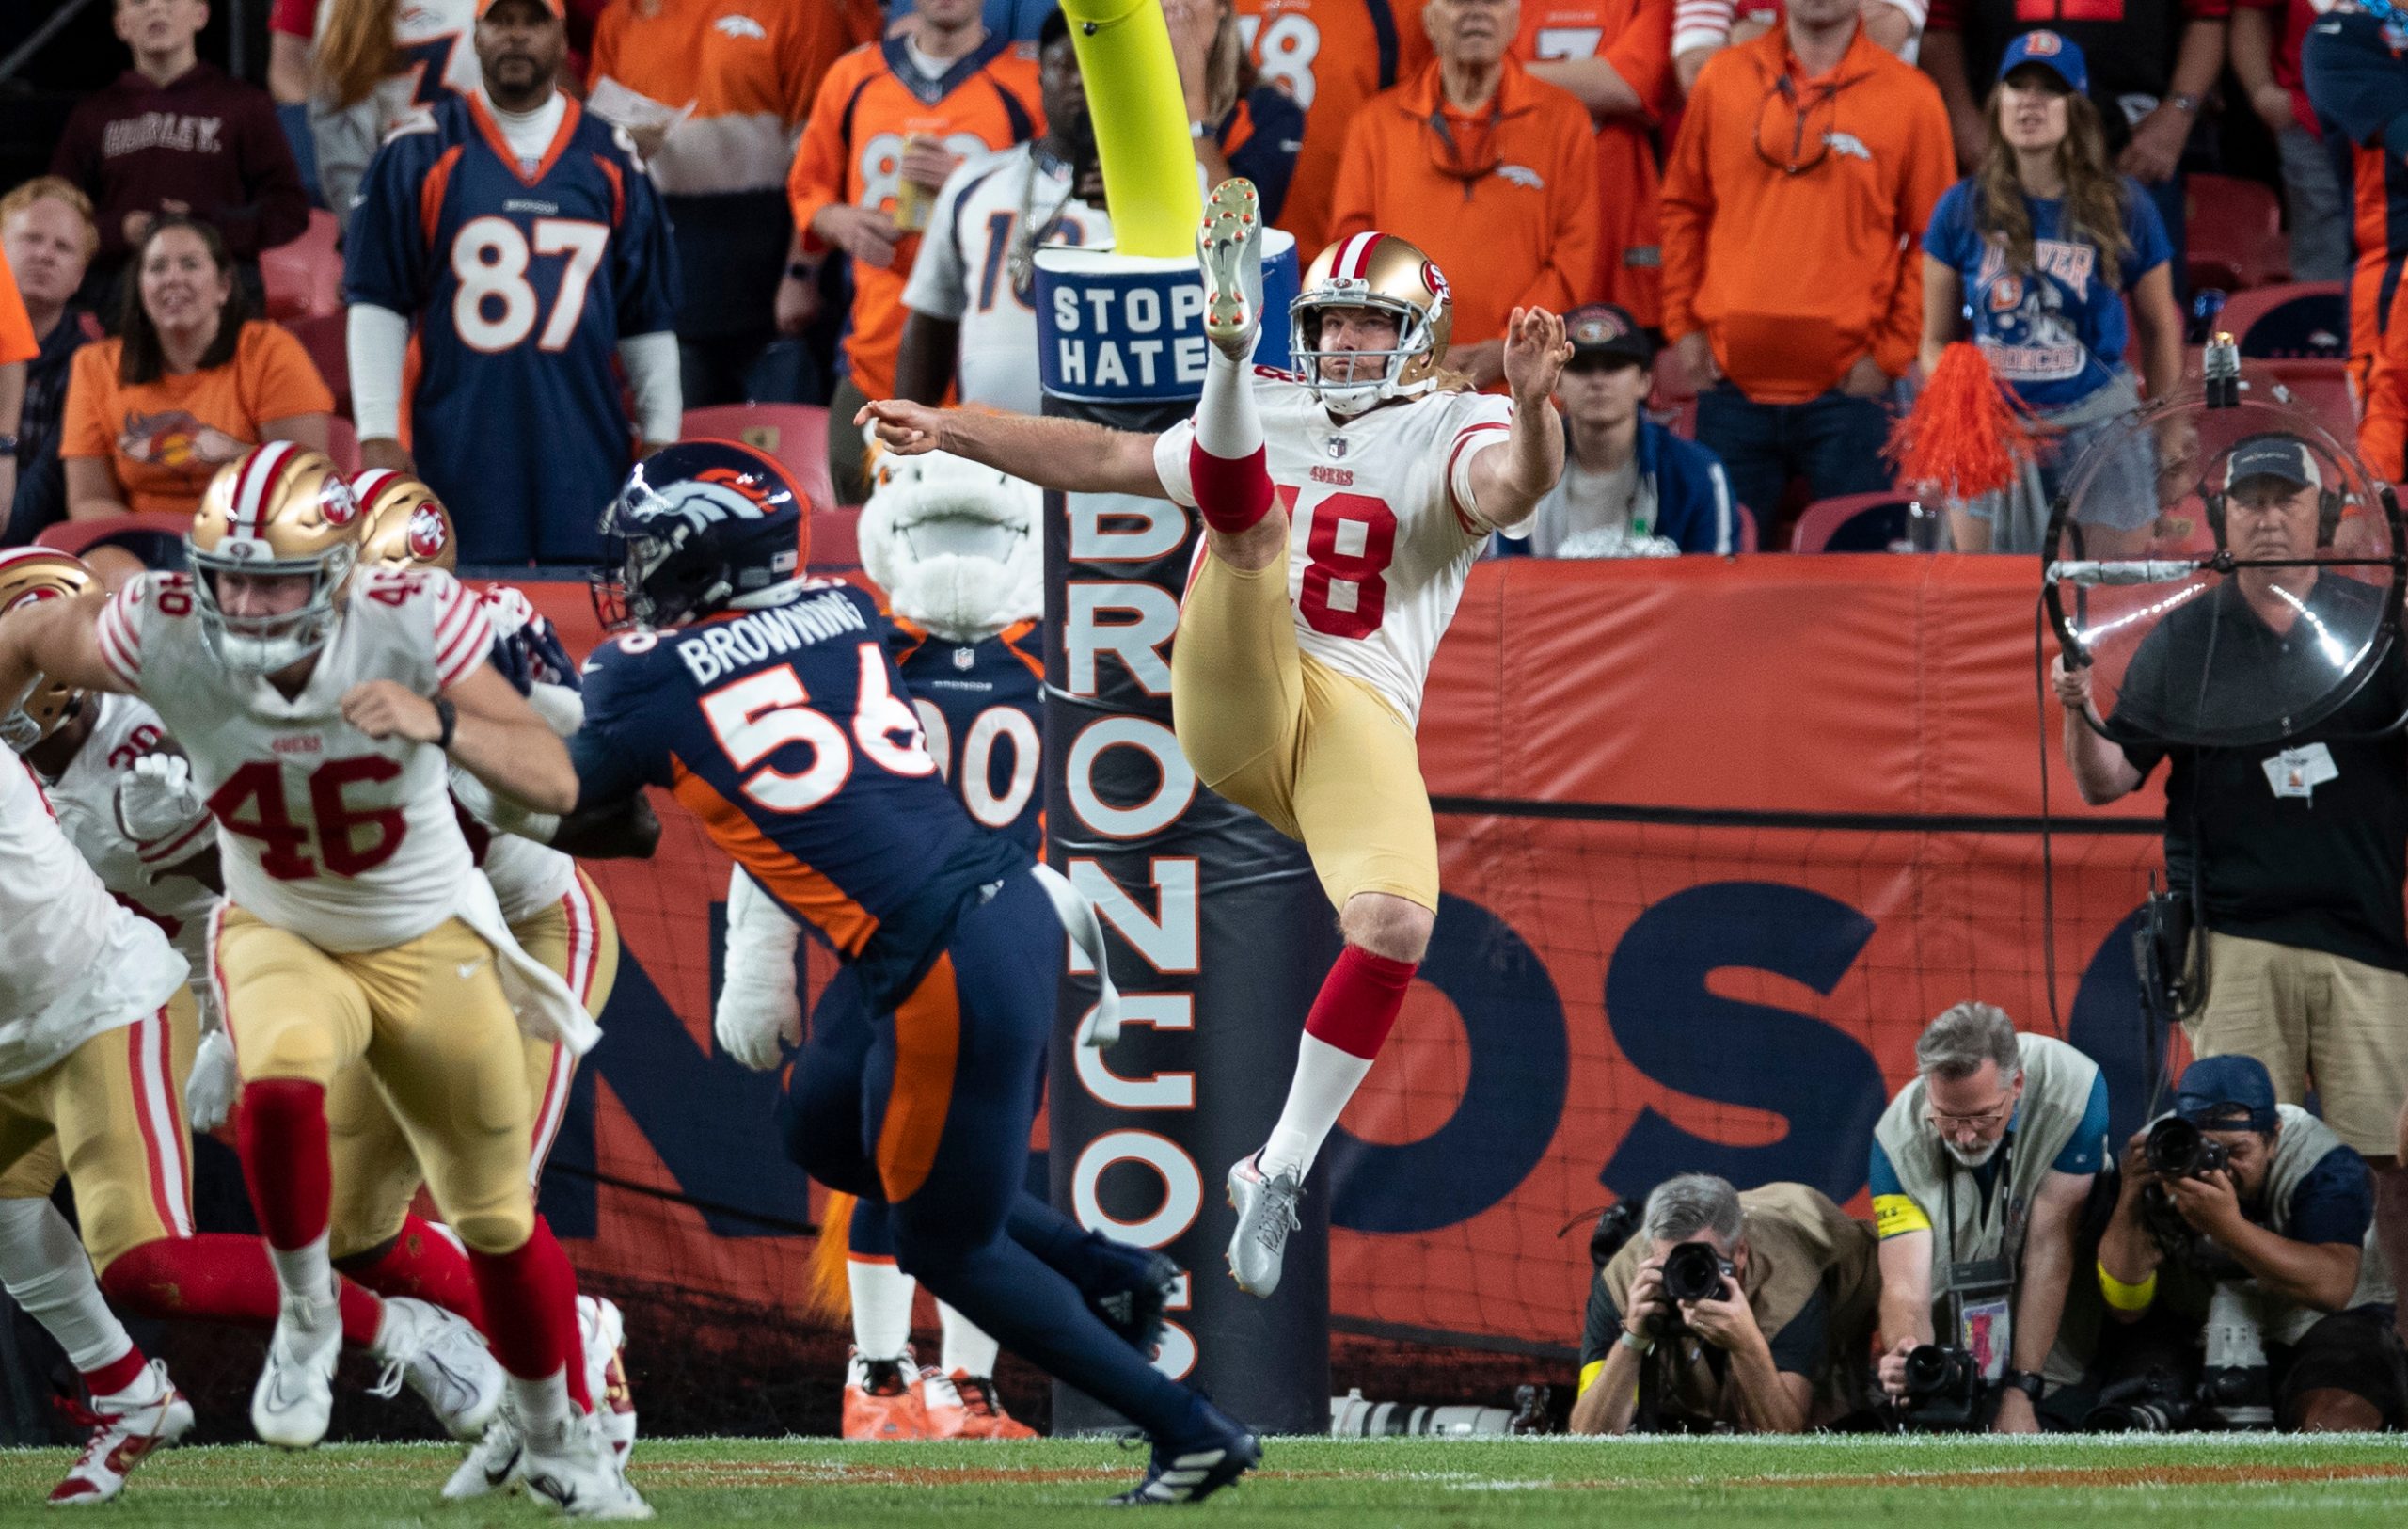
<point x="1967" y="434"/>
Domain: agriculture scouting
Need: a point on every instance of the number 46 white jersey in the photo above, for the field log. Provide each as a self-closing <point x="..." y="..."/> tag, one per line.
<point x="1381" y="529"/>
<point x="347" y="841"/>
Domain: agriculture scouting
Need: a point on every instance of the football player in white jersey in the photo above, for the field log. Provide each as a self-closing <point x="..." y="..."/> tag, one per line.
<point x="559" y="916"/>
<point x="1343" y="507"/>
<point x="321" y="713"/>
<point x="95" y="1036"/>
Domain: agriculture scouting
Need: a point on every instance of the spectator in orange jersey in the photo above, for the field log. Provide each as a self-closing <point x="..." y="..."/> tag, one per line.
<point x="1332" y="56"/>
<point x="747" y="70"/>
<point x="2356" y="71"/>
<point x="891" y="121"/>
<point x="1491" y="172"/>
<point x="1807" y="163"/>
<point x="17" y="347"/>
<point x="1701" y="28"/>
<point x="1617" y="57"/>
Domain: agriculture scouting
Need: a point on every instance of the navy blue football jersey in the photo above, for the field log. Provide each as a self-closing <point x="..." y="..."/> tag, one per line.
<point x="982" y="705"/>
<point x="790" y="734"/>
<point x="522" y="280"/>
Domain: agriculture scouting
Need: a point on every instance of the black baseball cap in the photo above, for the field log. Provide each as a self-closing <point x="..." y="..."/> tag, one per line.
<point x="2285" y="457"/>
<point x="1606" y="330"/>
<point x="2227" y="1093"/>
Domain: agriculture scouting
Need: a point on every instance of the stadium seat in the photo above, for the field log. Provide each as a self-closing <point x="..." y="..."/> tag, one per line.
<point x="2322" y="389"/>
<point x="1851" y="523"/>
<point x="324" y="336"/>
<point x="303" y="279"/>
<point x="834" y="549"/>
<point x="2235" y="234"/>
<point x="2291" y="319"/>
<point x="1672" y="383"/>
<point x="343" y="444"/>
<point x="1749" y="536"/>
<point x="795" y="434"/>
<point x="75" y="535"/>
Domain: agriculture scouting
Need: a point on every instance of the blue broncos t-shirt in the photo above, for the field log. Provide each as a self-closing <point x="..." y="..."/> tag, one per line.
<point x="2055" y="332"/>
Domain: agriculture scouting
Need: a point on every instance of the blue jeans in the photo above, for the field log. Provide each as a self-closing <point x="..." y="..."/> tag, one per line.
<point x="1834" y="442"/>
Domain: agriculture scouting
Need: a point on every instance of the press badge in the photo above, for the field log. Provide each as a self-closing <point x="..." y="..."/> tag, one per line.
<point x="2298" y="771"/>
<point x="1983" y="1294"/>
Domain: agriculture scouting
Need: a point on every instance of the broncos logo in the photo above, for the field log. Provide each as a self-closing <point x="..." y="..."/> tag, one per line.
<point x="711" y="496"/>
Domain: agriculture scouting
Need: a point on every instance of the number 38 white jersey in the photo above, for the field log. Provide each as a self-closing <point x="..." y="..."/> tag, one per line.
<point x="1381" y="530"/>
<point x="84" y="798"/>
<point x="348" y="842"/>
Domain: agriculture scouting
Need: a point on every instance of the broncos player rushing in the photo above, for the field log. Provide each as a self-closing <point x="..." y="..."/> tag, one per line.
<point x="771" y="706"/>
<point x="1342" y="509"/>
<point x="954" y="547"/>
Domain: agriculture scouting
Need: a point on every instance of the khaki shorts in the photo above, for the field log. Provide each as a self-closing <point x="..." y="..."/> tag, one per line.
<point x="111" y="1113"/>
<point x="1314" y="753"/>
<point x="376" y="1174"/>
<point x="2313" y="1019"/>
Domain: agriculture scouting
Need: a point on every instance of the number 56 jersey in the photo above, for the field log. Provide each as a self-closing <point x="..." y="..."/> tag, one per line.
<point x="345" y="840"/>
<point x="522" y="280"/>
<point x="1381" y="525"/>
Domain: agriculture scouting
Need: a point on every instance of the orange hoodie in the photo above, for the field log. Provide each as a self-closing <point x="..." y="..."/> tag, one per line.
<point x="1795" y="275"/>
<point x="1514" y="222"/>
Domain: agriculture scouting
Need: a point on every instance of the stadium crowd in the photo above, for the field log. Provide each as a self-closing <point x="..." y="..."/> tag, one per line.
<point x="817" y="203"/>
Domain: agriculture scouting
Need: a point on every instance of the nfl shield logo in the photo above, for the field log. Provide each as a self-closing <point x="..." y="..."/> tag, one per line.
<point x="964" y="657"/>
<point x="1338" y="445"/>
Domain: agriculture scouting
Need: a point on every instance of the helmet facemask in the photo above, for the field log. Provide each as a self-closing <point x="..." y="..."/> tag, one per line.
<point x="259" y="645"/>
<point x="1415" y="344"/>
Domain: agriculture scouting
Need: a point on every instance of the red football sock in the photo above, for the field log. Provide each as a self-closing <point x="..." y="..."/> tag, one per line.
<point x="531" y="1304"/>
<point x="283" y="1136"/>
<point x="218" y="1276"/>
<point x="111" y="1378"/>
<point x="1231" y="493"/>
<point x="425" y="1264"/>
<point x="1359" y="1001"/>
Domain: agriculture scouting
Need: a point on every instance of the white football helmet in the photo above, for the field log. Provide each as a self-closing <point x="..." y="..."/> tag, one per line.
<point x="953" y="543"/>
<point x="1382" y="271"/>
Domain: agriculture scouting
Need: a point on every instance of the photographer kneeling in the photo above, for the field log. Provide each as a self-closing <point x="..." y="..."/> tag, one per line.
<point x="1752" y="1310"/>
<point x="2238" y="1259"/>
<point x="1980" y="1170"/>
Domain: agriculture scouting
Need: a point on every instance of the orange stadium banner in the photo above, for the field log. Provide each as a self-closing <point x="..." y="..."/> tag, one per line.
<point x="1718" y="836"/>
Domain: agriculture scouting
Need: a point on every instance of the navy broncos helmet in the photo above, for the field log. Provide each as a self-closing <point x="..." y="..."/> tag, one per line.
<point x="695" y="527"/>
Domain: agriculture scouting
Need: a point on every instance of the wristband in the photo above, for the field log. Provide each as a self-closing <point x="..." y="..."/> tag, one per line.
<point x="1636" y="1345"/>
<point x="2024" y="1381"/>
<point x="2184" y="103"/>
<point x="448" y="717"/>
<point x="2126" y="1297"/>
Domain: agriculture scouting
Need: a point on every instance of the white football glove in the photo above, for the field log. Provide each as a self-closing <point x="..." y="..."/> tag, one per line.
<point x="209" y="1094"/>
<point x="158" y="799"/>
<point x="757" y="1004"/>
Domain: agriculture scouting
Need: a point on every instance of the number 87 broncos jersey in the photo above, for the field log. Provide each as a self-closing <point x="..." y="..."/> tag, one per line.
<point x="345" y="840"/>
<point x="1381" y="529"/>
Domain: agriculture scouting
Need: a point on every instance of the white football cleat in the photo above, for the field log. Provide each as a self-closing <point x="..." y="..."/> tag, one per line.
<point x="295" y="1394"/>
<point x="1266" y="1210"/>
<point x="493" y="1466"/>
<point x="605" y="1334"/>
<point x="443" y="1360"/>
<point x="572" y="1468"/>
<point x="1229" y="248"/>
<point x="125" y="1432"/>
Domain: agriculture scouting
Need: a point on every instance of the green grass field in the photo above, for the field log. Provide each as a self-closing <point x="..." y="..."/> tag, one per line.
<point x="1519" y="1484"/>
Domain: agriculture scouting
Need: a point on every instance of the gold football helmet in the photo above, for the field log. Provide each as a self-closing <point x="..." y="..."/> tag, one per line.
<point x="28" y="574"/>
<point x="279" y="510"/>
<point x="1382" y="271"/>
<point x="407" y="526"/>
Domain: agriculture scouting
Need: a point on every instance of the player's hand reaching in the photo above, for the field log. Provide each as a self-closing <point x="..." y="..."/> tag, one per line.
<point x="905" y="429"/>
<point x="384" y="708"/>
<point x="1535" y="353"/>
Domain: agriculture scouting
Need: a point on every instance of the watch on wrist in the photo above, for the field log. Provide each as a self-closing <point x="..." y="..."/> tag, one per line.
<point x="2022" y="1380"/>
<point x="797" y="270"/>
<point x="7" y="443"/>
<point x="447" y="717"/>
<point x="1636" y="1345"/>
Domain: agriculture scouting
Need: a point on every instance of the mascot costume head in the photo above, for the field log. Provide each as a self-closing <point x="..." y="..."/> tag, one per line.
<point x="954" y="545"/>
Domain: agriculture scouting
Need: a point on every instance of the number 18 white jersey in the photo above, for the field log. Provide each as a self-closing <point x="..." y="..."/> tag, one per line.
<point x="345" y="840"/>
<point x="1381" y="530"/>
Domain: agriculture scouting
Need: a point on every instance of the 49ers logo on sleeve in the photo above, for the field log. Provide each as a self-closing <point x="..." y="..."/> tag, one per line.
<point x="425" y="534"/>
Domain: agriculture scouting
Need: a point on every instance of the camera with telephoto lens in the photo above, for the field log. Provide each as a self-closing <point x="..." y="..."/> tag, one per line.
<point x="1694" y="1271"/>
<point x="1944" y="1389"/>
<point x="2151" y="1402"/>
<point x="2176" y="1148"/>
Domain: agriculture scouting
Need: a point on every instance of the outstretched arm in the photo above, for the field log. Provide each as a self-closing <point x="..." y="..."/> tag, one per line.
<point x="496" y="737"/>
<point x="1508" y="480"/>
<point x="1071" y="455"/>
<point x="56" y="638"/>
